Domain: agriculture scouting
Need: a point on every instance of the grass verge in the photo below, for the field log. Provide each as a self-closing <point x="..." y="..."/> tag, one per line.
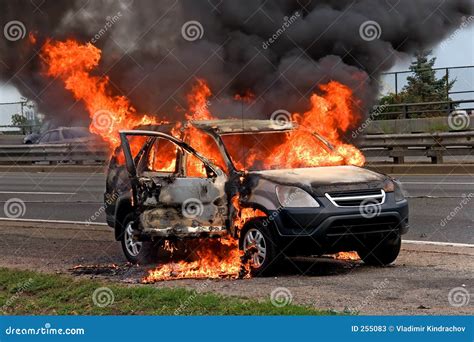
<point x="33" y="293"/>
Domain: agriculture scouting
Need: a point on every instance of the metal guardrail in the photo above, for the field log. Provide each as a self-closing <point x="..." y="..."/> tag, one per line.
<point x="422" y="109"/>
<point x="396" y="146"/>
<point x="434" y="146"/>
<point x="447" y="72"/>
<point x="53" y="153"/>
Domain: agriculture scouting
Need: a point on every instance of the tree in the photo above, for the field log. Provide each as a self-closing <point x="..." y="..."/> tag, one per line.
<point x="422" y="86"/>
<point x="19" y="120"/>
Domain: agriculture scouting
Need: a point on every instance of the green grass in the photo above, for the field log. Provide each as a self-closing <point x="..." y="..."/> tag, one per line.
<point x="33" y="293"/>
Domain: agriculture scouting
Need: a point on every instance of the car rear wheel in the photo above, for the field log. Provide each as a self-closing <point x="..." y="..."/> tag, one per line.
<point x="137" y="252"/>
<point x="258" y="242"/>
<point x="383" y="253"/>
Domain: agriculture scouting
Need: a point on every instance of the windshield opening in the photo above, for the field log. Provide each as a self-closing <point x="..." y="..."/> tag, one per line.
<point x="279" y="150"/>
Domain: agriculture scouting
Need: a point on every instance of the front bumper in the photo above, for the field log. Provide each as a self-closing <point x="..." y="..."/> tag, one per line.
<point x="331" y="222"/>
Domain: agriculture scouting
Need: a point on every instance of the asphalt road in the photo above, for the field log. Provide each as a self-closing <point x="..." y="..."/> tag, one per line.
<point x="420" y="282"/>
<point x="433" y="199"/>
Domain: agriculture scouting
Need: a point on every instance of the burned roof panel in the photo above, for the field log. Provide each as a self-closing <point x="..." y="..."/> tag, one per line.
<point x="242" y="126"/>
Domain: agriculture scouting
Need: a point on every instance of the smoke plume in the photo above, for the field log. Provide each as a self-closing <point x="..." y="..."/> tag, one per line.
<point x="154" y="50"/>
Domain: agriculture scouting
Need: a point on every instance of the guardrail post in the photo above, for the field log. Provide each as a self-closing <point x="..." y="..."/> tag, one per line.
<point x="436" y="155"/>
<point x="398" y="155"/>
<point x="405" y="111"/>
<point x="449" y="108"/>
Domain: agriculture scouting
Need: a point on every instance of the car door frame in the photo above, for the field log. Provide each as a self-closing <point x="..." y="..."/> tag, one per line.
<point x="215" y="181"/>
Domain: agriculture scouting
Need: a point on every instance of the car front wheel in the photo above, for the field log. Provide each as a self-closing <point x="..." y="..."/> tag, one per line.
<point x="137" y="252"/>
<point x="257" y="241"/>
<point x="383" y="253"/>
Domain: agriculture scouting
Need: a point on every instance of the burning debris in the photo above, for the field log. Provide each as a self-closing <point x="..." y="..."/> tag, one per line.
<point x="107" y="270"/>
<point x="351" y="256"/>
<point x="211" y="258"/>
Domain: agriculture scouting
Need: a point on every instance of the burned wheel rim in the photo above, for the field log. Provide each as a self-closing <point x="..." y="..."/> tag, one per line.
<point x="255" y="239"/>
<point x="133" y="247"/>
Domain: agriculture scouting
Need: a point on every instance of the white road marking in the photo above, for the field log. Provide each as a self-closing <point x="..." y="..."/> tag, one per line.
<point x="53" y="221"/>
<point x="37" y="193"/>
<point x="438" y="243"/>
<point x="438" y="183"/>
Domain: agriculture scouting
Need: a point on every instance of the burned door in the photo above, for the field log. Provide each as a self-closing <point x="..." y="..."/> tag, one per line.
<point x="173" y="200"/>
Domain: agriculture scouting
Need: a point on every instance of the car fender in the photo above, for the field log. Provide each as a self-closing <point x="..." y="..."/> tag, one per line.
<point x="122" y="208"/>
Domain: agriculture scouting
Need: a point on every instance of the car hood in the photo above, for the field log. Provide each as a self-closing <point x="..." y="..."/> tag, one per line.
<point x="325" y="179"/>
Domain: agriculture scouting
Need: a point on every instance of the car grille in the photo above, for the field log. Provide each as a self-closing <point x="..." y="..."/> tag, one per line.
<point x="343" y="227"/>
<point x="356" y="198"/>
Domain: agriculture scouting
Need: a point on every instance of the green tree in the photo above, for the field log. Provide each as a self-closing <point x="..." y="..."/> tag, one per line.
<point x="19" y="120"/>
<point x="423" y="85"/>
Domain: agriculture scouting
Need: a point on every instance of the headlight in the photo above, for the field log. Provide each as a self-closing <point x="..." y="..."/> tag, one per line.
<point x="389" y="186"/>
<point x="293" y="197"/>
<point x="399" y="193"/>
<point x="395" y="187"/>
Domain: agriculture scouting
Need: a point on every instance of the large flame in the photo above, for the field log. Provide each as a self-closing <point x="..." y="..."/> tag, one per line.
<point x="331" y="114"/>
<point x="211" y="258"/>
<point x="72" y="63"/>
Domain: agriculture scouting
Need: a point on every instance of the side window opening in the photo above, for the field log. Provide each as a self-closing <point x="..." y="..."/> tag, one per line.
<point x="206" y="146"/>
<point x="195" y="167"/>
<point x="161" y="157"/>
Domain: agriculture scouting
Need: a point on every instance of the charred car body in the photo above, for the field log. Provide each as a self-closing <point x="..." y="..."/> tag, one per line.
<point x="154" y="193"/>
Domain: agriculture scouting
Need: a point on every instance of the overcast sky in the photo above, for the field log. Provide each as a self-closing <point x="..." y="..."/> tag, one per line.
<point x="457" y="50"/>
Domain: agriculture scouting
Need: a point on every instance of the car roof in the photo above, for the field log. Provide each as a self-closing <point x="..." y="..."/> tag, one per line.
<point x="228" y="126"/>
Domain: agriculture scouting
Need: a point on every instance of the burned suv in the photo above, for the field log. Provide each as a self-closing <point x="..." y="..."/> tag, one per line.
<point x="160" y="187"/>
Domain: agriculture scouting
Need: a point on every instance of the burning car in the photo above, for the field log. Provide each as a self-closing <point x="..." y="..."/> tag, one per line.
<point x="165" y="184"/>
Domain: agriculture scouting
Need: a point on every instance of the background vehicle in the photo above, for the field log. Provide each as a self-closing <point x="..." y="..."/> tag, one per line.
<point x="62" y="135"/>
<point x="154" y="192"/>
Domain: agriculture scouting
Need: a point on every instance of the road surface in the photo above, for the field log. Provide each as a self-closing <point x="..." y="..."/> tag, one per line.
<point x="418" y="283"/>
<point x="438" y="208"/>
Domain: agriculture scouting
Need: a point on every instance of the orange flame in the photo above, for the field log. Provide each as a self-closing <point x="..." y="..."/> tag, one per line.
<point x="352" y="256"/>
<point x="72" y="63"/>
<point x="212" y="258"/>
<point x="331" y="114"/>
<point x="32" y="38"/>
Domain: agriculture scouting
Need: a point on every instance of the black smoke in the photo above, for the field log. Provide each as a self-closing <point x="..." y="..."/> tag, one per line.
<point x="280" y="49"/>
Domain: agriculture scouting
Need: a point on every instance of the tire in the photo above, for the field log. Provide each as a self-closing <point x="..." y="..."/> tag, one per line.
<point x="264" y="261"/>
<point x="137" y="252"/>
<point x="381" y="253"/>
